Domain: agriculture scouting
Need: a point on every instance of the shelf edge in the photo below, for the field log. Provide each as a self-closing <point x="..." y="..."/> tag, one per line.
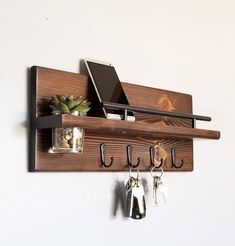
<point x="124" y="128"/>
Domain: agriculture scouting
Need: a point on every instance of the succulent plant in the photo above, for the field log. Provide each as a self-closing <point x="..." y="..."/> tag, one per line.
<point x="62" y="104"/>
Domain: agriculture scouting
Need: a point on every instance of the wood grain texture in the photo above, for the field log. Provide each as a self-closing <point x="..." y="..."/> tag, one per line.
<point x="147" y="97"/>
<point x="123" y="128"/>
<point x="47" y="82"/>
<point x="115" y="147"/>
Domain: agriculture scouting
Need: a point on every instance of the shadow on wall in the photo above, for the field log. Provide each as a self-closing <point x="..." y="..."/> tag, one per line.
<point x="22" y="127"/>
<point x="119" y="199"/>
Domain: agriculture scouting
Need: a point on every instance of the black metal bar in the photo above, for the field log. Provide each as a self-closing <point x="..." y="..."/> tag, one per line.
<point x="110" y="105"/>
<point x="50" y="121"/>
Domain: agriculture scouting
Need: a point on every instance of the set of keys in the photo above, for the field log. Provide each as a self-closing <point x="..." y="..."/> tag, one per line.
<point x="135" y="203"/>
<point x="136" y="208"/>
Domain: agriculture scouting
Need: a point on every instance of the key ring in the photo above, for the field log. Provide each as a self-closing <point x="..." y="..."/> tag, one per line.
<point x="138" y="173"/>
<point x="132" y="180"/>
<point x="156" y="175"/>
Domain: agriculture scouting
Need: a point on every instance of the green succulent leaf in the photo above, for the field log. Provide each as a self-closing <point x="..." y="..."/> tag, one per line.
<point x="84" y="110"/>
<point x="61" y="98"/>
<point x="77" y="101"/>
<point x="54" y="98"/>
<point x="63" y="107"/>
<point x="77" y="108"/>
<point x="53" y="107"/>
<point x="70" y="97"/>
<point x="82" y="107"/>
<point x="86" y="104"/>
<point x="67" y="104"/>
<point x="70" y="103"/>
<point x="55" y="103"/>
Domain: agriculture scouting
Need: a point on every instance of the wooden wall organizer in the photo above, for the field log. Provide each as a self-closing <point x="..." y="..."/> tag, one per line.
<point x="165" y="133"/>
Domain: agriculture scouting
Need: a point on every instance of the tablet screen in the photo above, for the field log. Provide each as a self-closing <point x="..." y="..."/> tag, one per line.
<point x="107" y="83"/>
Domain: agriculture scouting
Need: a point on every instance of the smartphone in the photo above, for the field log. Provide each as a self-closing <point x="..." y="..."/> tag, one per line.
<point x="108" y="87"/>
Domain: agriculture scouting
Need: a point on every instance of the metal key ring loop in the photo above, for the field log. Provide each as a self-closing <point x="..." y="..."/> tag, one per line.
<point x="138" y="173"/>
<point x="156" y="175"/>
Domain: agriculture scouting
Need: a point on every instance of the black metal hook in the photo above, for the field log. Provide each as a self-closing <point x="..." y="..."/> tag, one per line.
<point x="102" y="156"/>
<point x="173" y="158"/>
<point x="129" y="157"/>
<point x="152" y="158"/>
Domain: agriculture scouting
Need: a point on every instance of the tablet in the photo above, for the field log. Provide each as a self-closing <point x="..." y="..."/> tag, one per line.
<point x="108" y="87"/>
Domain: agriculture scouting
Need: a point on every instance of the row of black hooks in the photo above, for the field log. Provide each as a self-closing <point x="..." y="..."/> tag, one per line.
<point x="129" y="158"/>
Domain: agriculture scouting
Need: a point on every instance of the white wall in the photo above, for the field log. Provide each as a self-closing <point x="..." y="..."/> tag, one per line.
<point x="186" y="46"/>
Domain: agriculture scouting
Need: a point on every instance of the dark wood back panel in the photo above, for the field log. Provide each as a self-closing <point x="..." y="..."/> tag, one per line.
<point x="152" y="98"/>
<point x="49" y="82"/>
<point x="52" y="82"/>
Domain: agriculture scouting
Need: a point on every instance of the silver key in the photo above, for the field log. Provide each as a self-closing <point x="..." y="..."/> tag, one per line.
<point x="159" y="190"/>
<point x="156" y="182"/>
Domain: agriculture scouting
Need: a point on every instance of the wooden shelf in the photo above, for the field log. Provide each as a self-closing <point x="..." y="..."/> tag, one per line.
<point x="163" y="132"/>
<point x="125" y="128"/>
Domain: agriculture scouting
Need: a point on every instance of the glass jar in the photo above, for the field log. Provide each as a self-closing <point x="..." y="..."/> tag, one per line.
<point x="69" y="139"/>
